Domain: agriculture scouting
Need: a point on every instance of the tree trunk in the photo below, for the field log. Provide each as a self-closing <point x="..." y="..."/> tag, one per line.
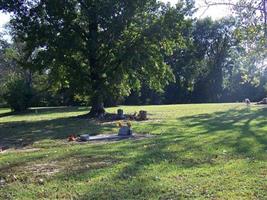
<point x="97" y="102"/>
<point x="97" y="109"/>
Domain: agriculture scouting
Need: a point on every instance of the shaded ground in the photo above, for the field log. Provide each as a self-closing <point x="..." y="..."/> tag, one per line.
<point x="21" y="132"/>
<point x="205" y="151"/>
<point x="36" y="125"/>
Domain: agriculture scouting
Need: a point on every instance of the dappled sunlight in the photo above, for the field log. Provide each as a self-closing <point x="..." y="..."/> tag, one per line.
<point x="46" y="126"/>
<point x="183" y="159"/>
<point x="40" y="114"/>
<point x="240" y="130"/>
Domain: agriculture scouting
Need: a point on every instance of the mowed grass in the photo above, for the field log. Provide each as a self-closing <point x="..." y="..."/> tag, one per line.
<point x="200" y="151"/>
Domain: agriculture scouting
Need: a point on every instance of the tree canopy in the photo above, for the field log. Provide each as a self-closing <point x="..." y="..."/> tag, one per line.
<point x="99" y="47"/>
<point x="108" y="51"/>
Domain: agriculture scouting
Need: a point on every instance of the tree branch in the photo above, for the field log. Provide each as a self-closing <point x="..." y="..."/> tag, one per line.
<point x="209" y="4"/>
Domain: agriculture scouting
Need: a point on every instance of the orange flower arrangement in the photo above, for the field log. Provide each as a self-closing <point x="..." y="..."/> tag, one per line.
<point x="129" y="124"/>
<point x="119" y="124"/>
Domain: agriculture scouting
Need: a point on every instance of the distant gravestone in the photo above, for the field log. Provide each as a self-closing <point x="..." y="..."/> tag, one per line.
<point x="3" y="148"/>
<point x="247" y="101"/>
<point x="263" y="101"/>
<point x="85" y="137"/>
<point x="120" y="114"/>
<point x="142" y="115"/>
<point x="125" y="131"/>
<point x="2" y="182"/>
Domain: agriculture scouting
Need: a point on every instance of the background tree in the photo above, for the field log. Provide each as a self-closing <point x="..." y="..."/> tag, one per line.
<point x="214" y="40"/>
<point x="16" y="82"/>
<point x="99" y="47"/>
<point x="210" y="67"/>
<point x="99" y="52"/>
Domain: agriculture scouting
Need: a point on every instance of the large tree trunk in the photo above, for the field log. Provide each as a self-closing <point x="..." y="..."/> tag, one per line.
<point x="97" y="102"/>
<point x="97" y="108"/>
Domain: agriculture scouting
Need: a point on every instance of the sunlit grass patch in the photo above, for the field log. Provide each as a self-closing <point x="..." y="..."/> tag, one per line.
<point x="200" y="151"/>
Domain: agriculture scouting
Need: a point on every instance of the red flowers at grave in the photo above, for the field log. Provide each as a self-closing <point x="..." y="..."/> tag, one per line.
<point x="72" y="138"/>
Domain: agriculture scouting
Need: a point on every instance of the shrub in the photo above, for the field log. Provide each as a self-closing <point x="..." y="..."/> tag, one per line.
<point x="17" y="94"/>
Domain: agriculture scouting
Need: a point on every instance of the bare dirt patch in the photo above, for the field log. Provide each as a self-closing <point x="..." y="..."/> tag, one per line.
<point x="44" y="168"/>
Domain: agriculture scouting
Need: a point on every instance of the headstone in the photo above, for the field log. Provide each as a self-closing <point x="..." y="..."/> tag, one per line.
<point x="247" y="101"/>
<point x="101" y="116"/>
<point x="125" y="131"/>
<point x="263" y="101"/>
<point x="3" y="148"/>
<point x="2" y="182"/>
<point x="142" y="115"/>
<point x="120" y="114"/>
<point x="85" y="137"/>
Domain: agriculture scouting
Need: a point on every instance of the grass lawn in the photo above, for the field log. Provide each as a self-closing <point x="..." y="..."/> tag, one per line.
<point x="200" y="151"/>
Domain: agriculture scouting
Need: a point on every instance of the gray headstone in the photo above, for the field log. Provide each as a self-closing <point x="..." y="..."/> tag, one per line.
<point x="2" y="182"/>
<point x="120" y="114"/>
<point x="85" y="137"/>
<point x="143" y="115"/>
<point x="124" y="131"/>
<point x="247" y="101"/>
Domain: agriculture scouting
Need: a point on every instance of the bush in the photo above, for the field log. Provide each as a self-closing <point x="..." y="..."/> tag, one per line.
<point x="17" y="94"/>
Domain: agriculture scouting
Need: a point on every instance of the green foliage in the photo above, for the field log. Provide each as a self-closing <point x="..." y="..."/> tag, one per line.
<point x="8" y="66"/>
<point x="115" y="45"/>
<point x="17" y="94"/>
<point x="250" y="30"/>
<point x="90" y="52"/>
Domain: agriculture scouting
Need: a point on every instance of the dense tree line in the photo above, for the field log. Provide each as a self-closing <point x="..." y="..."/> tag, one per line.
<point x="129" y="52"/>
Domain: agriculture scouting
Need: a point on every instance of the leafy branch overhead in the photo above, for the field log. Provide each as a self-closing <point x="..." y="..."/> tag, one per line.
<point x="103" y="45"/>
<point x="112" y="51"/>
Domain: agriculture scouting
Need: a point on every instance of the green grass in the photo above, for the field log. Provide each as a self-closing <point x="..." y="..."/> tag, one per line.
<point x="201" y="151"/>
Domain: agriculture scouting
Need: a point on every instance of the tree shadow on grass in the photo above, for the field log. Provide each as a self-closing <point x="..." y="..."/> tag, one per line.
<point x="243" y="130"/>
<point x="22" y="161"/>
<point x="127" y="161"/>
<point x="44" y="110"/>
<point x="7" y="114"/>
<point x="130" y="175"/>
<point x="192" y="144"/>
<point x="24" y="133"/>
<point x="240" y="130"/>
